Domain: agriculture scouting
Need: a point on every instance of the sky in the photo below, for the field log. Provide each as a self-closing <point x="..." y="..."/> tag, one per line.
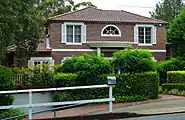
<point x="141" y="7"/>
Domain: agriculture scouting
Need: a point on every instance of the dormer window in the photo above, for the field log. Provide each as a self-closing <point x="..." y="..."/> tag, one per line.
<point x="111" y="30"/>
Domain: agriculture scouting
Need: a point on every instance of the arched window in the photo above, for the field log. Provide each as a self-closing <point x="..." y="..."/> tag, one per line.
<point x="111" y="30"/>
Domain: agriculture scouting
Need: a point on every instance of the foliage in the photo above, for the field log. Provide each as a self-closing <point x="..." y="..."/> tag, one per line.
<point x="176" y="77"/>
<point x="88" y="67"/>
<point x="175" y="92"/>
<point x="66" y="80"/>
<point x="176" y="36"/>
<point x="170" y="86"/>
<point x="6" y="83"/>
<point x="22" y="36"/>
<point x="133" y="61"/>
<point x="167" y="10"/>
<point x="42" y="79"/>
<point x="20" y="70"/>
<point x="169" y="65"/>
<point x="129" y="87"/>
<point x="58" y="68"/>
<point x="51" y="8"/>
<point x="11" y="113"/>
<point x="134" y="98"/>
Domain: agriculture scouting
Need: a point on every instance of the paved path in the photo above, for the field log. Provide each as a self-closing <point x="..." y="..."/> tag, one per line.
<point x="160" y="117"/>
<point x="166" y="104"/>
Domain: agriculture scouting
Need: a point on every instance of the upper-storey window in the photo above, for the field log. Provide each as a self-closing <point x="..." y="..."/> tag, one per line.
<point x="111" y="30"/>
<point x="145" y="35"/>
<point x="73" y="33"/>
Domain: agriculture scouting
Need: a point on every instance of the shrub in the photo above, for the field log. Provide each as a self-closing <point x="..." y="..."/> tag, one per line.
<point x="11" y="113"/>
<point x="170" y="86"/>
<point x="6" y="83"/>
<point x="140" y="84"/>
<point x="169" y="65"/>
<point x="66" y="80"/>
<point x="88" y="67"/>
<point x="133" y="61"/>
<point x="58" y="68"/>
<point x="134" y="98"/>
<point x="45" y="79"/>
<point x="176" y="77"/>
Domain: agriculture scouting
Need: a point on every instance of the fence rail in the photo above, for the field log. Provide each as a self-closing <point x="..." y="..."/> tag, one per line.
<point x="30" y="91"/>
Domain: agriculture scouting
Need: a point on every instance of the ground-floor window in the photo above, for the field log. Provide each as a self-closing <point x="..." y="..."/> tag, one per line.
<point x="40" y="61"/>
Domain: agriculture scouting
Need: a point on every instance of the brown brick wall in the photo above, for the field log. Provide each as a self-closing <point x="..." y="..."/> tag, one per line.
<point x="58" y="56"/>
<point x="159" y="56"/>
<point x="94" y="34"/>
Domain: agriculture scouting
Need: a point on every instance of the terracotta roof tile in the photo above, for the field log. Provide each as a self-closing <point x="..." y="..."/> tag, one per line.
<point x="42" y="45"/>
<point x="92" y="14"/>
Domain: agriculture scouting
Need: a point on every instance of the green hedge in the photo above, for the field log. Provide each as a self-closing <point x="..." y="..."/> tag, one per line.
<point x="171" y="86"/>
<point x="129" y="87"/>
<point x="6" y="83"/>
<point x="141" y="84"/>
<point x="68" y="80"/>
<point x="133" y="61"/>
<point x="176" y="77"/>
<point x="11" y="113"/>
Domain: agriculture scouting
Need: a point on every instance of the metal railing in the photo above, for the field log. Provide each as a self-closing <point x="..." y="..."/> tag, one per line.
<point x="31" y="105"/>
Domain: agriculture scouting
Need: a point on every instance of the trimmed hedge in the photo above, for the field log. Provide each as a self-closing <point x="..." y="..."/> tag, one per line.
<point x="133" y="61"/>
<point x="171" y="86"/>
<point x="176" y="77"/>
<point x="11" y="113"/>
<point x="129" y="87"/>
<point x="139" y="84"/>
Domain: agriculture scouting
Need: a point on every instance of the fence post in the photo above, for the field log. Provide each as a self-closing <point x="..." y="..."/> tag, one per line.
<point x="30" y="105"/>
<point x="110" y="96"/>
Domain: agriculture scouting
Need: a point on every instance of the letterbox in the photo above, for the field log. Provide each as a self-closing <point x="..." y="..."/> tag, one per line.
<point x="111" y="80"/>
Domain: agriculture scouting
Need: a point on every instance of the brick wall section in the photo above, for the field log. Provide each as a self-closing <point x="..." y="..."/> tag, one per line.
<point x="159" y="56"/>
<point x="94" y="34"/>
<point x="58" y="56"/>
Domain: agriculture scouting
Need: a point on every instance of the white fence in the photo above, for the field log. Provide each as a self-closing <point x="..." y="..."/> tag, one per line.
<point x="31" y="105"/>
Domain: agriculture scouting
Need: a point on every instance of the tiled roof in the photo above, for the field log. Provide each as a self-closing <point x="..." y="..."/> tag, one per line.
<point x="92" y="14"/>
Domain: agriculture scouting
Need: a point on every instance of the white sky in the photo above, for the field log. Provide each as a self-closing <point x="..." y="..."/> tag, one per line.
<point x="123" y="5"/>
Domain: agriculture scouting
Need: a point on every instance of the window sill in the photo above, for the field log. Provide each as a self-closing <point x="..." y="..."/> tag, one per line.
<point x="145" y="44"/>
<point x="73" y="43"/>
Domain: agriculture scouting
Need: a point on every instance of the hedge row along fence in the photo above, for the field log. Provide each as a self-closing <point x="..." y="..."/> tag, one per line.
<point x="175" y="80"/>
<point x="176" y="77"/>
<point x="129" y="87"/>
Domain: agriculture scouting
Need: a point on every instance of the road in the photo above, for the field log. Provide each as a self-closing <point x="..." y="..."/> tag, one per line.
<point x="161" y="117"/>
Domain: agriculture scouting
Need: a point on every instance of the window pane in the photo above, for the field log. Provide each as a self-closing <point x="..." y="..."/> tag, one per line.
<point x="111" y="30"/>
<point x="141" y="31"/>
<point x="77" y="34"/>
<point x="148" y="33"/>
<point x="70" y="33"/>
<point x="141" y="39"/>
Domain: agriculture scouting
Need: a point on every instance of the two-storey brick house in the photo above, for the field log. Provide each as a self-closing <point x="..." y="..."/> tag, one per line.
<point x="106" y="31"/>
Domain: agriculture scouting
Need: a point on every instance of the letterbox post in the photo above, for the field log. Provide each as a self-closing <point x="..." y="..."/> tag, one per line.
<point x="111" y="82"/>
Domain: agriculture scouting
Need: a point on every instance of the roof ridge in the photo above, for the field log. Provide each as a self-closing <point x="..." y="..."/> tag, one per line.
<point x="72" y="12"/>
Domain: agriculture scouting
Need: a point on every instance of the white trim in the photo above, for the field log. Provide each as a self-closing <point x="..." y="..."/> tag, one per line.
<point x="72" y="50"/>
<point x="73" y="23"/>
<point x="90" y="50"/>
<point x="41" y="58"/>
<point x="158" y="51"/>
<point x="152" y="34"/>
<point x="145" y="44"/>
<point x="67" y="43"/>
<point x="105" y="35"/>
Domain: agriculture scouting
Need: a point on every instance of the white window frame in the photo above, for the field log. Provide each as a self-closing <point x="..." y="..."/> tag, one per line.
<point x="106" y="35"/>
<point x="73" y="24"/>
<point x="153" y="31"/>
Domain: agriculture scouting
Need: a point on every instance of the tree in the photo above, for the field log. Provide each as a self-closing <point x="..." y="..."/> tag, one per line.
<point x="51" y="8"/>
<point x="167" y="10"/>
<point x="20" y="25"/>
<point x="176" y="34"/>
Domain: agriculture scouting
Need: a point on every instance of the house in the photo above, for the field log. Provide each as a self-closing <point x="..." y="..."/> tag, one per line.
<point x="106" y="31"/>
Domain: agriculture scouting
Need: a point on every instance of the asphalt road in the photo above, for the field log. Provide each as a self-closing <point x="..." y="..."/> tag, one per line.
<point x="161" y="117"/>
